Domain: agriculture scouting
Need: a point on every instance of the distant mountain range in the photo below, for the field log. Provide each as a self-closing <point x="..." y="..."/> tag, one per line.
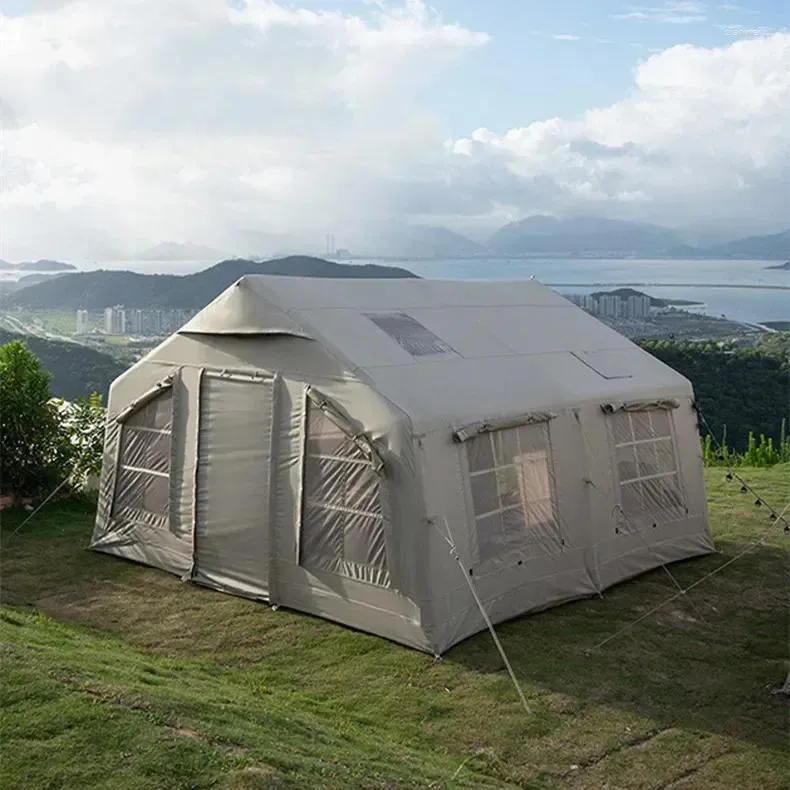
<point x="535" y="236"/>
<point x="100" y="289"/>
<point x="583" y="237"/>
<point x="542" y="235"/>
<point x="173" y="251"/>
<point x="42" y="265"/>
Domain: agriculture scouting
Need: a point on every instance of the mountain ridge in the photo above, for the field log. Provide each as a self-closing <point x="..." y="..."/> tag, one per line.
<point x="99" y="289"/>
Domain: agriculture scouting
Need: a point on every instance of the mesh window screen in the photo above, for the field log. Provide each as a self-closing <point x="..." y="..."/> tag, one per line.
<point x="142" y="487"/>
<point x="512" y="492"/>
<point x="647" y="468"/>
<point x="342" y="527"/>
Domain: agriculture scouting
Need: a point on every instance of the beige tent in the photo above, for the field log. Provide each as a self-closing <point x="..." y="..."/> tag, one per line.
<point x="318" y="444"/>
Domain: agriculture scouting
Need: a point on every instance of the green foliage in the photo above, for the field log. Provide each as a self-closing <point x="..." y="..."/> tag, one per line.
<point x="762" y="453"/>
<point x="83" y="423"/>
<point x="740" y="392"/>
<point x="35" y="453"/>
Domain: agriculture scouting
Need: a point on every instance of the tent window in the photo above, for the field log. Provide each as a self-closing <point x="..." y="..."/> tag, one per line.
<point x="342" y="521"/>
<point x="647" y="466"/>
<point x="510" y="477"/>
<point x="142" y="488"/>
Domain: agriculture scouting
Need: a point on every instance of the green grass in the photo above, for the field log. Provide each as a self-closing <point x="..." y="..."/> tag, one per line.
<point x="120" y="676"/>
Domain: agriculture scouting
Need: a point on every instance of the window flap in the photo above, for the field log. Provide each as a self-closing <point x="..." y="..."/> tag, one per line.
<point x="465" y="432"/>
<point x="346" y="425"/>
<point x="666" y="404"/>
<point x="146" y="398"/>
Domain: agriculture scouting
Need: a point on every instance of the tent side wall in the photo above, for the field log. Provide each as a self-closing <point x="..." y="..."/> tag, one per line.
<point x="589" y="547"/>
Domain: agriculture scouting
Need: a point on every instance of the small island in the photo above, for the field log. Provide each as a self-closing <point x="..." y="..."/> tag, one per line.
<point x="781" y="266"/>
<point x="624" y="293"/>
<point x="41" y="265"/>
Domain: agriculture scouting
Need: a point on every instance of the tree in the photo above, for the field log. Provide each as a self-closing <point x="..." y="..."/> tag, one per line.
<point x="35" y="453"/>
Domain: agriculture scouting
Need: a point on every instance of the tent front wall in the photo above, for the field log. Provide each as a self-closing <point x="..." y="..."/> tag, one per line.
<point x="236" y="493"/>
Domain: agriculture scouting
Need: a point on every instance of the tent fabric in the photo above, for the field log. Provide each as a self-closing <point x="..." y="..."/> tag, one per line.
<point x="307" y="442"/>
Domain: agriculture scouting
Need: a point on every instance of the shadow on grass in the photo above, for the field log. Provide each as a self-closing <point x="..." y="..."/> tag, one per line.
<point x="706" y="661"/>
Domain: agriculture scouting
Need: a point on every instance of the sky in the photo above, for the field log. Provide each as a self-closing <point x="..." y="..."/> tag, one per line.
<point x="241" y="123"/>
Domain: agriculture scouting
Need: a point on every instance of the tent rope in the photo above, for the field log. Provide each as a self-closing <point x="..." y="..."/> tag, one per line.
<point x="732" y="474"/>
<point x="658" y="607"/>
<point x="448" y="538"/>
<point x="99" y="428"/>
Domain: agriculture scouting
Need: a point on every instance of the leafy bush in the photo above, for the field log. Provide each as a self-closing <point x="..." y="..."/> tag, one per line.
<point x="83" y="422"/>
<point x="35" y="451"/>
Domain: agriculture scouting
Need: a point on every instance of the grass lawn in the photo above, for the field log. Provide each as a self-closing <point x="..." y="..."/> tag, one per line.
<point x="119" y="676"/>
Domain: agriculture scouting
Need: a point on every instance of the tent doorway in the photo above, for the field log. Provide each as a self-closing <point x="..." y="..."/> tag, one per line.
<point x="233" y="545"/>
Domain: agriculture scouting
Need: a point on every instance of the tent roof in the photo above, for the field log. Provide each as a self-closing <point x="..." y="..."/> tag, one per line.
<point x="439" y="348"/>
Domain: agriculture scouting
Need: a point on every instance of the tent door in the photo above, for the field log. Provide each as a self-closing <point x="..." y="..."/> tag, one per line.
<point x="232" y="504"/>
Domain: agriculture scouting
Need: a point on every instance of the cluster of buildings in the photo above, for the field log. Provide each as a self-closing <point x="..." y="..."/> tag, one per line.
<point x="613" y="305"/>
<point x="119" y="320"/>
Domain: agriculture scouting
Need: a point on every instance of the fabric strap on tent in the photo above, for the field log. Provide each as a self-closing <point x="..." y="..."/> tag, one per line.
<point x="145" y="398"/>
<point x="464" y="433"/>
<point x="346" y="425"/>
<point x="640" y="405"/>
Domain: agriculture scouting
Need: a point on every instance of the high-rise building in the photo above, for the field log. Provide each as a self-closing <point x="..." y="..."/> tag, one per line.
<point x="115" y="320"/>
<point x="83" y="322"/>
<point x="135" y="321"/>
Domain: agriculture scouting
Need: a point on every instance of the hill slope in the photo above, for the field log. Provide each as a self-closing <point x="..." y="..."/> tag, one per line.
<point x="775" y="246"/>
<point x="76" y="370"/>
<point x="97" y="290"/>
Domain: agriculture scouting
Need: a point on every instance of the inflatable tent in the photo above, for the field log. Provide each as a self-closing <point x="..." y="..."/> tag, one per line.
<point x="330" y="445"/>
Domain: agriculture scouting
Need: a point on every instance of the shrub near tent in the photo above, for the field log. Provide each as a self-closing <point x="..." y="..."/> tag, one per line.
<point x="316" y="443"/>
<point x="35" y="453"/>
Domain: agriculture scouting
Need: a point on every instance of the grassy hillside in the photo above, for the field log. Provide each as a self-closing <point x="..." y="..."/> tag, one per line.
<point x="76" y="370"/>
<point x="119" y="676"/>
<point x="97" y="290"/>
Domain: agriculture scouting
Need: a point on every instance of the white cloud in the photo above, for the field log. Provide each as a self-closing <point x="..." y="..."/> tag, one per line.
<point x="704" y="134"/>
<point x="682" y="12"/>
<point x="130" y="123"/>
<point x="566" y="37"/>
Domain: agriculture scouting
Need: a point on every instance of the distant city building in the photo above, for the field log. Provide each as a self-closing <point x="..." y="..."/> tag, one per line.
<point x="119" y="320"/>
<point x="115" y="320"/>
<point x="83" y="322"/>
<point x="613" y="305"/>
